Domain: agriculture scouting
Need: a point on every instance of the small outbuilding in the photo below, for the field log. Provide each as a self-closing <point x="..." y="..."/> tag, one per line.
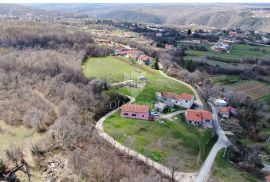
<point x="220" y="103"/>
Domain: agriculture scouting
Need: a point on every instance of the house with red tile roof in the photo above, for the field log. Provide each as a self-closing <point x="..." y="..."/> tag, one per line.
<point x="224" y="112"/>
<point x="118" y="49"/>
<point x="134" y="54"/>
<point x="135" y="111"/>
<point x="199" y="117"/>
<point x="171" y="99"/>
<point x="144" y="59"/>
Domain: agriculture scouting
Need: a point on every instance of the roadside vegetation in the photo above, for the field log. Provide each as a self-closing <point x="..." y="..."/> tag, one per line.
<point x="224" y="171"/>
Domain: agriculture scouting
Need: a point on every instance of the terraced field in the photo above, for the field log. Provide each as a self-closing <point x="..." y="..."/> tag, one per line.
<point x="253" y="89"/>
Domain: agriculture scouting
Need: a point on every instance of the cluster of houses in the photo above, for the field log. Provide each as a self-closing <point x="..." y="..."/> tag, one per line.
<point x="169" y="100"/>
<point x="133" y="54"/>
<point x="127" y="51"/>
<point x="224" y="110"/>
<point x="221" y="46"/>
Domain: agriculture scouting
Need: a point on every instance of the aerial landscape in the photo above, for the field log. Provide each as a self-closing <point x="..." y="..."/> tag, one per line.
<point x="135" y="91"/>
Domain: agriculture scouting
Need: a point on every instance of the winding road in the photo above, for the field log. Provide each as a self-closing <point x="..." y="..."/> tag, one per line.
<point x="205" y="170"/>
<point x="178" y="176"/>
<point x="221" y="143"/>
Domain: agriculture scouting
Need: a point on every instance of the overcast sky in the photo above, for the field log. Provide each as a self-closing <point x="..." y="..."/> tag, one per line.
<point x="134" y="1"/>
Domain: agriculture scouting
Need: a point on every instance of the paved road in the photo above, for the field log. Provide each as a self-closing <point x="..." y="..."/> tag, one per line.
<point x="222" y="142"/>
<point x="198" y="100"/>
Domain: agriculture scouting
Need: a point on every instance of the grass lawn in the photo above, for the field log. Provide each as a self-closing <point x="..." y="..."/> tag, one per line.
<point x="238" y="51"/>
<point x="226" y="172"/>
<point x="172" y="143"/>
<point x="118" y="69"/>
<point x="16" y="135"/>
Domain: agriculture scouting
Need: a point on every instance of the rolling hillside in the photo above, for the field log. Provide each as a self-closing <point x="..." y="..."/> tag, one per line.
<point x="251" y="16"/>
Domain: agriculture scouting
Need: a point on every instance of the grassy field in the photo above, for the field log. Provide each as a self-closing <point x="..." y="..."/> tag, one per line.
<point x="226" y="172"/>
<point x="23" y="137"/>
<point x="117" y="32"/>
<point x="172" y="143"/>
<point x="119" y="69"/>
<point x="226" y="79"/>
<point x="238" y="51"/>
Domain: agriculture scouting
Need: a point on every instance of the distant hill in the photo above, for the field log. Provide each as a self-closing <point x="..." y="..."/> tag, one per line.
<point x="23" y="10"/>
<point x="14" y="10"/>
<point x="244" y="16"/>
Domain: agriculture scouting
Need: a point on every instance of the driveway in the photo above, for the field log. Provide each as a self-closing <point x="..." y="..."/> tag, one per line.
<point x="171" y="115"/>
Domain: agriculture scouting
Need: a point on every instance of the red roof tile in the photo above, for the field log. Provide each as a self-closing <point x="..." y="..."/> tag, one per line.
<point x="174" y="96"/>
<point x="169" y="95"/>
<point x="198" y="115"/>
<point x="224" y="109"/>
<point x="185" y="96"/>
<point x="135" y="108"/>
<point x="144" y="57"/>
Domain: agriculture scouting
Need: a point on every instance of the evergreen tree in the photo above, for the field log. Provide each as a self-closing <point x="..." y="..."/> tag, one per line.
<point x="155" y="66"/>
<point x="189" y="32"/>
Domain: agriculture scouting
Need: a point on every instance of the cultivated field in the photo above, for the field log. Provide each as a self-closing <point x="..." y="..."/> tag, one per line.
<point x="254" y="89"/>
<point x="238" y="52"/>
<point x="226" y="79"/>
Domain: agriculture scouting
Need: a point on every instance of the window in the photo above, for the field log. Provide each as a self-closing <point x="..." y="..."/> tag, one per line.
<point x="125" y="114"/>
<point x="133" y="115"/>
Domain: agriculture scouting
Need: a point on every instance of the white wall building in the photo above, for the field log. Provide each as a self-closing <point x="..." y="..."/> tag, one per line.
<point x="171" y="99"/>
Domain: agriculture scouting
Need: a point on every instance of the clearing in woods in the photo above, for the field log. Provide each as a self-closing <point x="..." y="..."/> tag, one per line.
<point x="24" y="138"/>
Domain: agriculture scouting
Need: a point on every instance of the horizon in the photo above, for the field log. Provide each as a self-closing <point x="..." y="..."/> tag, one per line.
<point x="135" y="2"/>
